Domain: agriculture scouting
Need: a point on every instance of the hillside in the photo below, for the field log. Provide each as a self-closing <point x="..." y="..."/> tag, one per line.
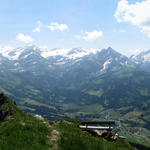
<point x="21" y="131"/>
<point x="83" y="84"/>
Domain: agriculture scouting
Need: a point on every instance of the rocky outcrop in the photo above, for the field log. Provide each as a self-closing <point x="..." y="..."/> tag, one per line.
<point x="5" y="111"/>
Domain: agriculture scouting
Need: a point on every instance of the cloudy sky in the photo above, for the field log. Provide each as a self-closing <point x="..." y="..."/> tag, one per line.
<point x="122" y="24"/>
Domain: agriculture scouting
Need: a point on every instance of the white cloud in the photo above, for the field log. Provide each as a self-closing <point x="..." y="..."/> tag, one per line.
<point x="56" y="26"/>
<point x="91" y="36"/>
<point x="24" y="38"/>
<point x="137" y="14"/>
<point x="123" y="31"/>
<point x="38" y="28"/>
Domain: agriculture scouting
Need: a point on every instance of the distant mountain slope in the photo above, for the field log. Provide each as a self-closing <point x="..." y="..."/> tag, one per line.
<point x="87" y="84"/>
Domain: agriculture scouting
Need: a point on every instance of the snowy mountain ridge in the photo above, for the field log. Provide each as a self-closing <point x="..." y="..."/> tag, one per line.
<point x="67" y="53"/>
<point x="143" y="57"/>
<point x="31" y="57"/>
<point x="70" y="53"/>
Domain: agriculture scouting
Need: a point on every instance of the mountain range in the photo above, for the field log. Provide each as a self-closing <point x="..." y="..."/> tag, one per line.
<point x="87" y="84"/>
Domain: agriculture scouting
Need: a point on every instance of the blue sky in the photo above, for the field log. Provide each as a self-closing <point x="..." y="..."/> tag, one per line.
<point x="76" y="23"/>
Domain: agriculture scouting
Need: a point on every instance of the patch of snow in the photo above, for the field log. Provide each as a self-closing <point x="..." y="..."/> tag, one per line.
<point x="134" y="57"/>
<point x="60" y="60"/>
<point x="55" y="52"/>
<point x="105" y="65"/>
<point x="60" y="63"/>
<point x="146" y="58"/>
<point x="15" y="69"/>
<point x="34" y="63"/>
<point x="27" y="55"/>
<point x="16" y="64"/>
<point x="69" y="53"/>
<point x="136" y="52"/>
<point x="121" y="63"/>
<point x="16" y="55"/>
<point x="22" y="70"/>
<point x="143" y="56"/>
<point x="5" y="51"/>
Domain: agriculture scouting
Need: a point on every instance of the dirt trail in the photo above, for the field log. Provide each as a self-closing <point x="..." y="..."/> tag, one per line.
<point x="54" y="139"/>
<point x="54" y="135"/>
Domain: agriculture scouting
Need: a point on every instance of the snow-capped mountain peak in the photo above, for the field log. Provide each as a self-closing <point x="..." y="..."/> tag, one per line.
<point x="15" y="53"/>
<point x="68" y="53"/>
<point x="143" y="57"/>
<point x="31" y="58"/>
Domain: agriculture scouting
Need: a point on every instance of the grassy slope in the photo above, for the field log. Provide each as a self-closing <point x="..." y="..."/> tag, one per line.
<point x="25" y="132"/>
<point x="72" y="138"/>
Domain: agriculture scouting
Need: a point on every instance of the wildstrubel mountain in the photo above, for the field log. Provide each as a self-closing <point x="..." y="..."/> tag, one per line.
<point x="87" y="84"/>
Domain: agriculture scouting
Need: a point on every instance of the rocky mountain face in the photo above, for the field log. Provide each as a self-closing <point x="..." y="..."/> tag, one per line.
<point x="7" y="110"/>
<point x="30" y="71"/>
<point x="23" y="59"/>
<point x="87" y="84"/>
